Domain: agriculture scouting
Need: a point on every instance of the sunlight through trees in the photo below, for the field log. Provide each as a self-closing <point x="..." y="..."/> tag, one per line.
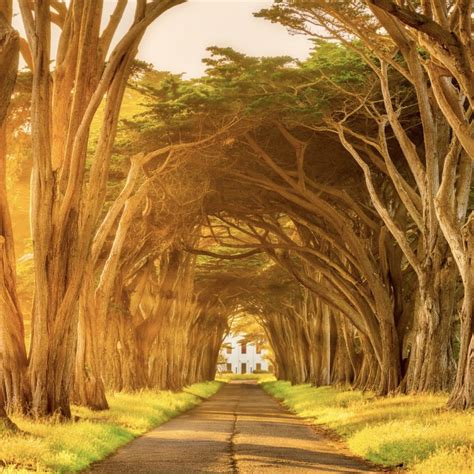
<point x="328" y="200"/>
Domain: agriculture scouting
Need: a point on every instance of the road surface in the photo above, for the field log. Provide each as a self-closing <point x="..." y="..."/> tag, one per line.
<point x="239" y="430"/>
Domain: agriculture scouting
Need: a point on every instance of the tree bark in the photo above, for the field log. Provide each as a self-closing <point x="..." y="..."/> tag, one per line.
<point x="14" y="388"/>
<point x="89" y="388"/>
<point x="462" y="395"/>
<point x="66" y="206"/>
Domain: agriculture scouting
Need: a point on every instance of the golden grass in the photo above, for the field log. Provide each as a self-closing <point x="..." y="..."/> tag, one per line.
<point x="414" y="430"/>
<point x="259" y="377"/>
<point x="51" y="446"/>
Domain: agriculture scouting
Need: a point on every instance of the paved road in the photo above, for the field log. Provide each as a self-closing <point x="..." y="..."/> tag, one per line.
<point x="239" y="430"/>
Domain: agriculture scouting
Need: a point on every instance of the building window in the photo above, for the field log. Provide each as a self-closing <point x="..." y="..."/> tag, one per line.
<point x="243" y="348"/>
<point x="229" y="367"/>
<point x="244" y="368"/>
<point x="259" y="348"/>
<point x="258" y="367"/>
<point x="229" y="349"/>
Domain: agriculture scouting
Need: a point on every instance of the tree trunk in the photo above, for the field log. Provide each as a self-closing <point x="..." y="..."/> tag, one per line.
<point x="5" y="423"/>
<point x="341" y="374"/>
<point x="124" y="369"/>
<point x="14" y="388"/>
<point x="89" y="388"/>
<point x="462" y="395"/>
<point x="390" y="369"/>
<point x="66" y="205"/>
<point x="368" y="377"/>
<point x="431" y="363"/>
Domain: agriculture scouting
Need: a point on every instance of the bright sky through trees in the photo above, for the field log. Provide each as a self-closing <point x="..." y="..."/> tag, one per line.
<point x="177" y="41"/>
<point x="202" y="23"/>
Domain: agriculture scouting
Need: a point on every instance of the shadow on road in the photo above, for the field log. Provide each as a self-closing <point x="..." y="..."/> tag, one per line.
<point x="239" y="430"/>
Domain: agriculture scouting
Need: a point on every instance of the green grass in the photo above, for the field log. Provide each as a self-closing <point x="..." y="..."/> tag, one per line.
<point x="259" y="377"/>
<point x="51" y="446"/>
<point x="415" y="430"/>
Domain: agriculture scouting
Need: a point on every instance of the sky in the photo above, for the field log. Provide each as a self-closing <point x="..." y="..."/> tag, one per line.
<point x="177" y="40"/>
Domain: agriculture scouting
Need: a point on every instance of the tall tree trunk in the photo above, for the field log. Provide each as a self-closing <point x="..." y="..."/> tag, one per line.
<point x="368" y="377"/>
<point x="462" y="395"/>
<point x="14" y="387"/>
<point x="431" y="363"/>
<point x="342" y="374"/>
<point x="123" y="368"/>
<point x="66" y="203"/>
<point x="89" y="388"/>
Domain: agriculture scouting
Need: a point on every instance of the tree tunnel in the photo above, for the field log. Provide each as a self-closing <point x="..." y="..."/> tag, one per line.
<point x="330" y="199"/>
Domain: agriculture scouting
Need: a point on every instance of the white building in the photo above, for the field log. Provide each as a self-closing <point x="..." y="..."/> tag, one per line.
<point x="243" y="357"/>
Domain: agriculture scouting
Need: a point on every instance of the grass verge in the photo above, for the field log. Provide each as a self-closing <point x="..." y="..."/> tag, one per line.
<point x="261" y="378"/>
<point x="50" y="446"/>
<point x="413" y="430"/>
